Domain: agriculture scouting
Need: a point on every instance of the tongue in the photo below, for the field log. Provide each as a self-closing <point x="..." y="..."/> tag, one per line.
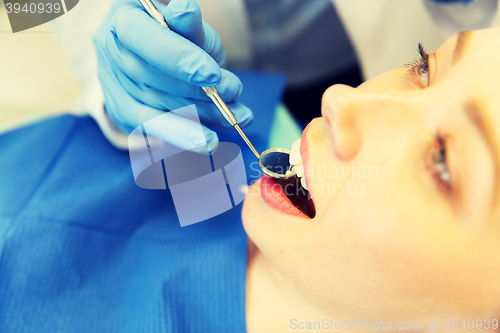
<point x="298" y="195"/>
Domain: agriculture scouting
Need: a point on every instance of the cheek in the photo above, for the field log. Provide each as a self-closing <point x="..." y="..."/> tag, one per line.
<point x="377" y="252"/>
<point x="398" y="242"/>
<point x="380" y="241"/>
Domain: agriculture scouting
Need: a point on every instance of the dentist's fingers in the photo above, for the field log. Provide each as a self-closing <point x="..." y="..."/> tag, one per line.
<point x="163" y="48"/>
<point x="208" y="112"/>
<point x="177" y="130"/>
<point x="184" y="17"/>
<point x="140" y="71"/>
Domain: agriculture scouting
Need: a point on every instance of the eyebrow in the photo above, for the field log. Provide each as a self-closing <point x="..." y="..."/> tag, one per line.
<point x="462" y="38"/>
<point x="476" y="115"/>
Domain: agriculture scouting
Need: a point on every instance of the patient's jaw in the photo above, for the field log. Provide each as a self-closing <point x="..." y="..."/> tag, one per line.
<point x="422" y="240"/>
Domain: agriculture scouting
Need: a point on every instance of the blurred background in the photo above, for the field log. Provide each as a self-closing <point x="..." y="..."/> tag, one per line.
<point x="35" y="77"/>
<point x="37" y="80"/>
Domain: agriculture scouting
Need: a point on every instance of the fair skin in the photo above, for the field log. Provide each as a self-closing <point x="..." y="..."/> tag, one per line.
<point x="412" y="246"/>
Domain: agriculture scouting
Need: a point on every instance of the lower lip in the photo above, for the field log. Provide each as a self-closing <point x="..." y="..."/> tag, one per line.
<point x="275" y="197"/>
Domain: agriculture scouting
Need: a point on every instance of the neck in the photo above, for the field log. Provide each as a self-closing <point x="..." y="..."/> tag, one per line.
<point x="273" y="305"/>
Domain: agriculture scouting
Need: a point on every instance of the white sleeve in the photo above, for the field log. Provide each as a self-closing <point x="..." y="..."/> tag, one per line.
<point x="74" y="31"/>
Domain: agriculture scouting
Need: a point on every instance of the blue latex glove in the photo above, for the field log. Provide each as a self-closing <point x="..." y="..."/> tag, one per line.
<point x="146" y="69"/>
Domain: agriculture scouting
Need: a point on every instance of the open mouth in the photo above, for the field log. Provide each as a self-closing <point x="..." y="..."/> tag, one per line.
<point x="288" y="196"/>
<point x="298" y="195"/>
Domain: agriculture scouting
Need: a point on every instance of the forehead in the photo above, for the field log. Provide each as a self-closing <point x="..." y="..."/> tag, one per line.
<point x="470" y="68"/>
<point x="466" y="89"/>
<point x="474" y="57"/>
<point x="479" y="68"/>
<point x="476" y="70"/>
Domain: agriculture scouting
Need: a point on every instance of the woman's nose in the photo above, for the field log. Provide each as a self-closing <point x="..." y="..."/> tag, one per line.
<point x="338" y="109"/>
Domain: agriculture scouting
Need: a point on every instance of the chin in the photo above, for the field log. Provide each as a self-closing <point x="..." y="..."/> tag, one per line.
<point x="253" y="207"/>
<point x="275" y="210"/>
<point x="272" y="229"/>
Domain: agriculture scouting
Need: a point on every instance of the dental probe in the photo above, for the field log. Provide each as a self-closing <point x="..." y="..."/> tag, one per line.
<point x="210" y="91"/>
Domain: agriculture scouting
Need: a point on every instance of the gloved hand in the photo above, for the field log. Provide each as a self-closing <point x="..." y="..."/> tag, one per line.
<point x="146" y="69"/>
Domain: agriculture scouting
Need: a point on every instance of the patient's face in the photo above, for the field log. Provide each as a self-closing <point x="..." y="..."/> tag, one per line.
<point x="404" y="178"/>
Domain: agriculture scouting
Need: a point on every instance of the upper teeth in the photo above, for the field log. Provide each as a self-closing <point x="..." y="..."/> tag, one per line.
<point x="296" y="161"/>
<point x="295" y="157"/>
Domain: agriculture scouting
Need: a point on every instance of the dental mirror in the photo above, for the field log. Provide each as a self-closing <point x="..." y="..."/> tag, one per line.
<point x="275" y="162"/>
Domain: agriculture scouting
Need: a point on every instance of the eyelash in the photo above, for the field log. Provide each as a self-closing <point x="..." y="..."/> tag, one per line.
<point x="440" y="170"/>
<point x="420" y="65"/>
